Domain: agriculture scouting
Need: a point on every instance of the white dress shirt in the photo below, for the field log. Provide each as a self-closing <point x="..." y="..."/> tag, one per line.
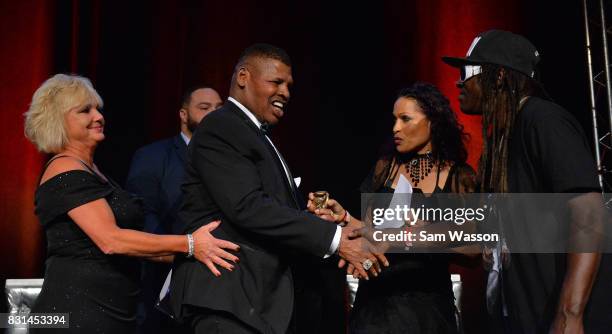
<point x="336" y="241"/>
<point x="185" y="138"/>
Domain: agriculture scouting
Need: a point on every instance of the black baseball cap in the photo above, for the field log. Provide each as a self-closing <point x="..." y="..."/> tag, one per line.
<point x="502" y="48"/>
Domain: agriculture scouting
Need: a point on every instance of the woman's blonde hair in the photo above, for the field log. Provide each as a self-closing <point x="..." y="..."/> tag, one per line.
<point x="44" y="121"/>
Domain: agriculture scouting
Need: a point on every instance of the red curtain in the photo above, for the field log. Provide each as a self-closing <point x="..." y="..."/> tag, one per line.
<point x="26" y="43"/>
<point x="447" y="28"/>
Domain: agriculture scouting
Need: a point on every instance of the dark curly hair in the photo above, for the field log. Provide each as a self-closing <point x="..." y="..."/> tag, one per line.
<point x="447" y="135"/>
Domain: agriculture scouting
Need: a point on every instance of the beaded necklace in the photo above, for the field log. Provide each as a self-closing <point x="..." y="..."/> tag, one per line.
<point x="419" y="167"/>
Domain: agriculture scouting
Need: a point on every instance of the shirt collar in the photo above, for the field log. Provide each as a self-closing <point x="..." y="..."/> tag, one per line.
<point x="246" y="112"/>
<point x="185" y="138"/>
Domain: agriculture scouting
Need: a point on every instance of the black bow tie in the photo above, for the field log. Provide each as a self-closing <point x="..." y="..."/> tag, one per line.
<point x="266" y="128"/>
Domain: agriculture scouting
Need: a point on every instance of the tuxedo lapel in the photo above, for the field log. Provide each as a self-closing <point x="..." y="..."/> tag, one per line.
<point x="278" y="159"/>
<point x="279" y="162"/>
<point x="290" y="181"/>
<point x="234" y="110"/>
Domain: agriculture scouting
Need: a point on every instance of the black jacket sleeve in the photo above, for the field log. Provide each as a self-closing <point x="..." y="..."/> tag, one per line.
<point x="229" y="161"/>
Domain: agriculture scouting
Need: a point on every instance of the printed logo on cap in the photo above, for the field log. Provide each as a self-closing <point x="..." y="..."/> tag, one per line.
<point x="474" y="42"/>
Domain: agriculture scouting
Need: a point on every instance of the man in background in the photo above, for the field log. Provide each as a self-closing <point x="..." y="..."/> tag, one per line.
<point x="156" y="175"/>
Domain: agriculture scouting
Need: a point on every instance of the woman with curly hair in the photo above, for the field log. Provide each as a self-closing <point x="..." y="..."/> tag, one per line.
<point x="414" y="294"/>
<point x="428" y="148"/>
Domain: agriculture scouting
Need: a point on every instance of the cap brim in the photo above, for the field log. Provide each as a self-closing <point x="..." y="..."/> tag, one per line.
<point x="458" y="62"/>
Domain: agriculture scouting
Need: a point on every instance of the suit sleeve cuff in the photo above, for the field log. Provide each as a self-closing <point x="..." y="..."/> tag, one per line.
<point x="335" y="243"/>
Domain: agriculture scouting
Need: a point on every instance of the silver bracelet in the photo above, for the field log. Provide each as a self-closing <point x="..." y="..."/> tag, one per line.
<point x="191" y="245"/>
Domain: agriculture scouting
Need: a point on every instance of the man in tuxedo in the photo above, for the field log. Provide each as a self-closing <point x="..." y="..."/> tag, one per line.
<point x="156" y="174"/>
<point x="236" y="174"/>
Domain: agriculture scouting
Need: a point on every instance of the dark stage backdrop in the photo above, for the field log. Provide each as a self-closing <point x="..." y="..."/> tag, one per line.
<point x="350" y="58"/>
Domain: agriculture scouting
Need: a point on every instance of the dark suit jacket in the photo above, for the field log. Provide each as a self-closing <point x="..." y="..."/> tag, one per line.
<point x="156" y="174"/>
<point x="233" y="174"/>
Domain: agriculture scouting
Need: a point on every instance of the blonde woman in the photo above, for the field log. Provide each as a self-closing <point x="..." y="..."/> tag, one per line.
<point x="92" y="225"/>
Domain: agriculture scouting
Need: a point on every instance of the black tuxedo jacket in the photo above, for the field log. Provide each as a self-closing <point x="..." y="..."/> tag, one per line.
<point x="233" y="174"/>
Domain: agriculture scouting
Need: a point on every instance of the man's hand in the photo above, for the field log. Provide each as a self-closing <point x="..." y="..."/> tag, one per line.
<point x="352" y="248"/>
<point x="357" y="251"/>
<point x="333" y="212"/>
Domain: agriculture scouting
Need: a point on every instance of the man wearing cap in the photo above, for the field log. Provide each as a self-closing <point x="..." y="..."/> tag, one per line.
<point x="531" y="145"/>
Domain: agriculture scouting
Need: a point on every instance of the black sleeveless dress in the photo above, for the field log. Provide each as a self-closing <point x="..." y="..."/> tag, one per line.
<point x="99" y="291"/>
<point x="413" y="295"/>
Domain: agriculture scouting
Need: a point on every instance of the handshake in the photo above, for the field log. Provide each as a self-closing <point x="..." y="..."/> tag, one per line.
<point x="364" y="259"/>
